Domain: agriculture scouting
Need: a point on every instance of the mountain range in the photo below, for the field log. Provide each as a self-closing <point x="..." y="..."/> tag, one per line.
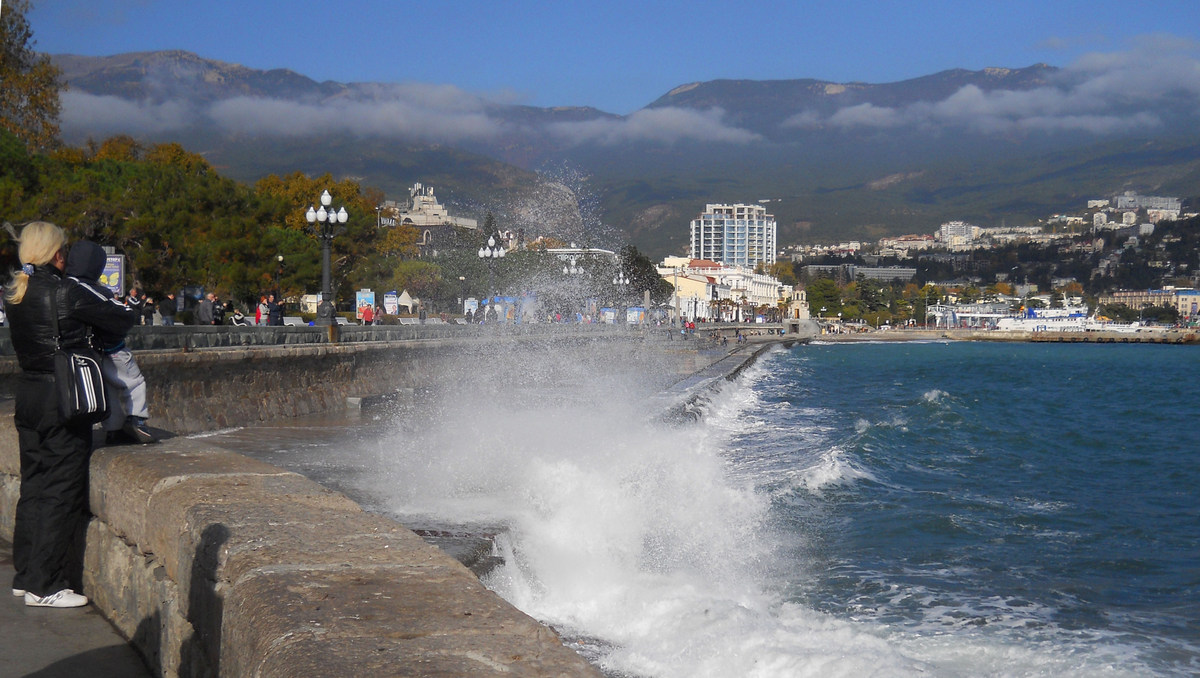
<point x="832" y="161"/>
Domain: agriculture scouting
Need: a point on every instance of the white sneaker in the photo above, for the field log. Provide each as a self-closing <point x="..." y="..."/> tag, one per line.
<point x="17" y="593"/>
<point x="63" y="598"/>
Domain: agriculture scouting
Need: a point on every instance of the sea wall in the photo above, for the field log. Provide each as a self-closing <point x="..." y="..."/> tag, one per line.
<point x="214" y="564"/>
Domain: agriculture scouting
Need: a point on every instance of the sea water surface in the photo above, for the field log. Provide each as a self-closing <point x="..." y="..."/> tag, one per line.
<point x="889" y="509"/>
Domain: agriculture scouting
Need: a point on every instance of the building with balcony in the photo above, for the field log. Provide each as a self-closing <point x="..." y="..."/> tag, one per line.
<point x="735" y="235"/>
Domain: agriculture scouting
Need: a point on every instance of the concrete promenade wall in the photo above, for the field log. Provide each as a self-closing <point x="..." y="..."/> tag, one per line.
<point x="214" y="564"/>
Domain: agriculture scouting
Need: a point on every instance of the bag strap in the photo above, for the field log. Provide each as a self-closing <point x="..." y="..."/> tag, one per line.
<point x="54" y="314"/>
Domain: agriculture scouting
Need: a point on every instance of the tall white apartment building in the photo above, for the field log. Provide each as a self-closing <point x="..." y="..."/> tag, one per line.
<point x="735" y="235"/>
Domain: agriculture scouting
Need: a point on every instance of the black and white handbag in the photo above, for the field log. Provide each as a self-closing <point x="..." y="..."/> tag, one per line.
<point x="77" y="377"/>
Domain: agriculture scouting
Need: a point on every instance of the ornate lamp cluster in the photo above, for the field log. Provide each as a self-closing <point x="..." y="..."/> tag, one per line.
<point x="491" y="252"/>
<point x="325" y="222"/>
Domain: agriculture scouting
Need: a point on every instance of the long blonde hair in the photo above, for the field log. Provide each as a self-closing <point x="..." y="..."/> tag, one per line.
<point x="39" y="242"/>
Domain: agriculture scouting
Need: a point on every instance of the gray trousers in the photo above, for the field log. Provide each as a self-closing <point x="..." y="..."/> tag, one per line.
<point x="126" y="389"/>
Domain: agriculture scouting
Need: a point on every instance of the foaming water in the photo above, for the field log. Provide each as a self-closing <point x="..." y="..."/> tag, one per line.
<point x="931" y="510"/>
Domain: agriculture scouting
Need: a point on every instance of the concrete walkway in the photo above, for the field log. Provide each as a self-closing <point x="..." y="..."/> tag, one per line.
<point x="47" y="643"/>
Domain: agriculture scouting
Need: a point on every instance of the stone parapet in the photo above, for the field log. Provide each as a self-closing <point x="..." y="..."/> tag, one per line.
<point x="214" y="564"/>
<point x="218" y="565"/>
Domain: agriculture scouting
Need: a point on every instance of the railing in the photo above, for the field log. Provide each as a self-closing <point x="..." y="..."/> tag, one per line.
<point x="194" y="337"/>
<point x="190" y="337"/>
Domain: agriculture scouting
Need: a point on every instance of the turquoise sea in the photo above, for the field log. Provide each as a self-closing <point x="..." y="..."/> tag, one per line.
<point x="882" y="509"/>
<point x="1040" y="498"/>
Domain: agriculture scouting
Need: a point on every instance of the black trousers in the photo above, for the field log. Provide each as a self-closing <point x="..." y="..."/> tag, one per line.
<point x="52" y="508"/>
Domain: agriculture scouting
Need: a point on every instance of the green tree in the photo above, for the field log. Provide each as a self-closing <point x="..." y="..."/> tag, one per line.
<point x="783" y="271"/>
<point x="824" y="293"/>
<point x="30" y="105"/>
<point x="643" y="275"/>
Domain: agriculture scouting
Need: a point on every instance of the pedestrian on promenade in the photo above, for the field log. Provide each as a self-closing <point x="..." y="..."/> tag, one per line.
<point x="274" y="312"/>
<point x="262" y="313"/>
<point x="148" y="311"/>
<point x="52" y="506"/>
<point x="123" y="380"/>
<point x="135" y="301"/>
<point x="167" y="309"/>
<point x="237" y="319"/>
<point x="218" y="311"/>
<point x="204" y="310"/>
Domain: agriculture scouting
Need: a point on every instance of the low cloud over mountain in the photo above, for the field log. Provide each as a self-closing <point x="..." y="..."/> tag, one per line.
<point x="1101" y="93"/>
<point x="1037" y="140"/>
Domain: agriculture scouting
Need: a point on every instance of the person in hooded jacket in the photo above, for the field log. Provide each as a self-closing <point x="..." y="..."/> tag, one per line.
<point x="55" y="453"/>
<point x="123" y="378"/>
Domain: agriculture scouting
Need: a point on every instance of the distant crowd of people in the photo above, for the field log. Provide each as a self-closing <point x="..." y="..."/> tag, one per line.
<point x="209" y="311"/>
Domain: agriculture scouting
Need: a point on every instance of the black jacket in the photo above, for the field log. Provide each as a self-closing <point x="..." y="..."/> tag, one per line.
<point x="85" y="263"/>
<point x="78" y="307"/>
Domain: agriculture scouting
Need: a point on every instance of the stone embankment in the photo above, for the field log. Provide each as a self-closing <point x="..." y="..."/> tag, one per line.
<point x="213" y="564"/>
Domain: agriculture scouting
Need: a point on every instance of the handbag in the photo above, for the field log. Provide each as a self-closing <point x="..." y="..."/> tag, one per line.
<point x="77" y="378"/>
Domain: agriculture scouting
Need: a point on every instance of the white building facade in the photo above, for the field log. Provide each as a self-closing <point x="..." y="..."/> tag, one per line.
<point x="735" y="235"/>
<point x="957" y="234"/>
<point x="701" y="283"/>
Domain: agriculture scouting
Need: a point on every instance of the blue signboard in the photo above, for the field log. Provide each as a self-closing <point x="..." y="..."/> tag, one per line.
<point x="363" y="299"/>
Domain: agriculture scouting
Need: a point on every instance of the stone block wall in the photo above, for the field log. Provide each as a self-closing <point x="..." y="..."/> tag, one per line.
<point x="214" y="564"/>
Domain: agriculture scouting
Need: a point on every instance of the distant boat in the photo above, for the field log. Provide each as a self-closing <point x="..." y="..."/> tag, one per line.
<point x="1066" y="319"/>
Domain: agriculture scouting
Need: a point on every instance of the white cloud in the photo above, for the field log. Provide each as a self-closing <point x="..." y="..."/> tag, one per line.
<point x="868" y="115"/>
<point x="1099" y="93"/>
<point x="655" y="125"/>
<point x="438" y="113"/>
<point x="395" y="118"/>
<point x="100" y="116"/>
<point x="425" y="112"/>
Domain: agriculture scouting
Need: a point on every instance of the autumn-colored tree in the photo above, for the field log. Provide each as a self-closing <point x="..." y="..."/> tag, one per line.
<point x="123" y="148"/>
<point x="399" y="241"/>
<point x="30" y="105"/>
<point x="175" y="155"/>
<point x="1003" y="288"/>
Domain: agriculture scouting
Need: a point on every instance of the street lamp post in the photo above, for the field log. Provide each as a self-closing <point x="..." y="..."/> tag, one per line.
<point x="620" y="281"/>
<point x="462" y="298"/>
<point x="574" y="267"/>
<point x="278" y="275"/>
<point x="325" y="221"/>
<point x="676" y="283"/>
<point x="491" y="252"/>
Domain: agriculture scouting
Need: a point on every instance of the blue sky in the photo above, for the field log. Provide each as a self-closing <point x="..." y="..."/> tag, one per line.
<point x="619" y="55"/>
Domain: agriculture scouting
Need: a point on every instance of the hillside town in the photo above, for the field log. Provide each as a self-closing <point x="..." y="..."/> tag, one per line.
<point x="1133" y="256"/>
<point x="961" y="275"/>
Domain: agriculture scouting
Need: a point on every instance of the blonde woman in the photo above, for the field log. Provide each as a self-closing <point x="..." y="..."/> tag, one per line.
<point x="52" y="506"/>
